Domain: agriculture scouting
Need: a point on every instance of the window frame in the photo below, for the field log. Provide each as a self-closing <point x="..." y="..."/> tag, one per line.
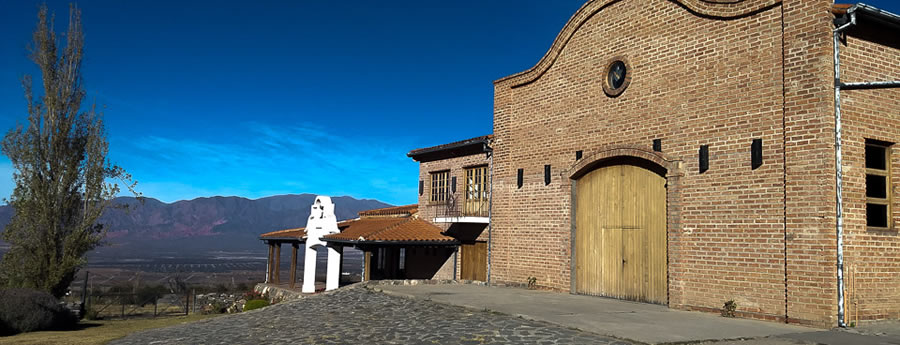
<point x="440" y="186"/>
<point x="473" y="183"/>
<point x="886" y="173"/>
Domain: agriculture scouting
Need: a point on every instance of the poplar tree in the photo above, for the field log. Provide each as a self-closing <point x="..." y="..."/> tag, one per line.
<point x="61" y="171"/>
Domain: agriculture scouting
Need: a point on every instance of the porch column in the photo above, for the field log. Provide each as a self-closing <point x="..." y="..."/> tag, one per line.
<point x="294" y="247"/>
<point x="309" y="270"/>
<point x="333" y="276"/>
<point x="278" y="263"/>
<point x="269" y="264"/>
<point x="367" y="265"/>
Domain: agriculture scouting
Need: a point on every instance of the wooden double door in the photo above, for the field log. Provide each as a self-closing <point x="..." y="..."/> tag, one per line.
<point x="620" y="234"/>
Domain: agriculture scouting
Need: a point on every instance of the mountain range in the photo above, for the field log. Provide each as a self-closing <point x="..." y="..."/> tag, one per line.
<point x="206" y="224"/>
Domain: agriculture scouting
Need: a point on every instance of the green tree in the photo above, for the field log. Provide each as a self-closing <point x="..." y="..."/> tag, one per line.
<point x="61" y="172"/>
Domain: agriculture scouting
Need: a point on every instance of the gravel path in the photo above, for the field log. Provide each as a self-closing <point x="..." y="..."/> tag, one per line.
<point x="356" y="315"/>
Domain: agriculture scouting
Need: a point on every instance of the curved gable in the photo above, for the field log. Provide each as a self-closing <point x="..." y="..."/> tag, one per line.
<point x="719" y="9"/>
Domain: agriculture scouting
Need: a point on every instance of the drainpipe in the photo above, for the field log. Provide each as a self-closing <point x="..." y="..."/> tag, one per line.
<point x="490" y="208"/>
<point x="838" y="166"/>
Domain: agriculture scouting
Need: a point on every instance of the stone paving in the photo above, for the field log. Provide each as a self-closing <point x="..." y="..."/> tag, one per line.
<point x="356" y="315"/>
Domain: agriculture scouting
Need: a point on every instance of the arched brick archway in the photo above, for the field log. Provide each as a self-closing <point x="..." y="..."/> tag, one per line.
<point x="625" y="210"/>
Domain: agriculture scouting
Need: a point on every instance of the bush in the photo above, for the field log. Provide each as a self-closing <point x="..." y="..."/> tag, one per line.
<point x="255" y="304"/>
<point x="27" y="310"/>
<point x="253" y="294"/>
<point x="214" y="307"/>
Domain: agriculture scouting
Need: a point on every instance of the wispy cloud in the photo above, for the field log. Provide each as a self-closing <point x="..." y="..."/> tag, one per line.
<point x="261" y="159"/>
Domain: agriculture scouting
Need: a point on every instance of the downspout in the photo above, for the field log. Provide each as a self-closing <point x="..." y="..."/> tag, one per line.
<point x="490" y="208"/>
<point x="838" y="166"/>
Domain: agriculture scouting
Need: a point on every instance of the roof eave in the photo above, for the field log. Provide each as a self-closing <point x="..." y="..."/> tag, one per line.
<point x="396" y="243"/>
<point x="877" y="15"/>
<point x="298" y="239"/>
<point x="457" y="149"/>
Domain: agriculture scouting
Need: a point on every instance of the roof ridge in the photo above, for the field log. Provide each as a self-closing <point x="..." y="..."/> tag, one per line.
<point x="405" y="220"/>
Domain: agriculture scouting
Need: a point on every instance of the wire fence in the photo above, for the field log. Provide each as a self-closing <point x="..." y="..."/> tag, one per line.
<point x="134" y="300"/>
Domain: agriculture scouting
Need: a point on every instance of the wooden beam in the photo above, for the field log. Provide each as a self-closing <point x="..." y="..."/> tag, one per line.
<point x="367" y="265"/>
<point x="294" y="263"/>
<point x="278" y="263"/>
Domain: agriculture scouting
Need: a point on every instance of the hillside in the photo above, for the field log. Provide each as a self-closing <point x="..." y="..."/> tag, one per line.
<point x="207" y="224"/>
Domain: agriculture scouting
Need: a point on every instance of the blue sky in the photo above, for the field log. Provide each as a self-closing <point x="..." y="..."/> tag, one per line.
<point x="256" y="98"/>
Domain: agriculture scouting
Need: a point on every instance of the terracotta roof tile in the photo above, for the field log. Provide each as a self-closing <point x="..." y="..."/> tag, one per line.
<point x="406" y="210"/>
<point x="298" y="233"/>
<point x="840" y="8"/>
<point x="390" y="230"/>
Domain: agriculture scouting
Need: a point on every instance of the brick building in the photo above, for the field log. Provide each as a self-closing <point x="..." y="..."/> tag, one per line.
<point x="684" y="153"/>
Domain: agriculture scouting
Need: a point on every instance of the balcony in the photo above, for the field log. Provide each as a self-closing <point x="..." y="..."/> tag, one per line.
<point x="465" y="211"/>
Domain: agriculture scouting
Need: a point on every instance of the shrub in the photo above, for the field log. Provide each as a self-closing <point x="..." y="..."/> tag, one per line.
<point x="214" y="307"/>
<point x="729" y="308"/>
<point x="27" y="310"/>
<point x="253" y="294"/>
<point x="255" y="304"/>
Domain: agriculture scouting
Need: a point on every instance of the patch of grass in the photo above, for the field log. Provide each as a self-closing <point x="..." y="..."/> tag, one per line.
<point x="97" y="332"/>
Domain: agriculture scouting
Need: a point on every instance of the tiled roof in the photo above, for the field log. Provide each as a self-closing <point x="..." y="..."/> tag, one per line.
<point x="389" y="230"/>
<point x="298" y="233"/>
<point x="391" y="224"/>
<point x="406" y="210"/>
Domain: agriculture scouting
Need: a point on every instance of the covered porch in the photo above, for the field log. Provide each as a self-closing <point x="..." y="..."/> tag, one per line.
<point x="274" y="241"/>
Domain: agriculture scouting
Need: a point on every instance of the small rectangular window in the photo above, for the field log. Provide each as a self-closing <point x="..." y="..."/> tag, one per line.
<point x="878" y="185"/>
<point x="704" y="158"/>
<point x="440" y="186"/>
<point x="520" y="176"/>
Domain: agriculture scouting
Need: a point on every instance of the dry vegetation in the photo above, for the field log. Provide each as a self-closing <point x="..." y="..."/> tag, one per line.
<point x="98" y="332"/>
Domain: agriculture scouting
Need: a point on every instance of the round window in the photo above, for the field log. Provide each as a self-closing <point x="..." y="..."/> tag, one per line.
<point x="618" y="76"/>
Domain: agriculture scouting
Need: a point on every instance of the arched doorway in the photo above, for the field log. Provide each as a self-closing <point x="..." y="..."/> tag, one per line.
<point x="620" y="231"/>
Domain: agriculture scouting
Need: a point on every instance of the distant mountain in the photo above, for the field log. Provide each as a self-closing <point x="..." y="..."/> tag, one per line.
<point x="215" y="223"/>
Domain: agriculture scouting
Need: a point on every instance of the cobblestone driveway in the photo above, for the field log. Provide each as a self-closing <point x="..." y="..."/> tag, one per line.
<point x="356" y="315"/>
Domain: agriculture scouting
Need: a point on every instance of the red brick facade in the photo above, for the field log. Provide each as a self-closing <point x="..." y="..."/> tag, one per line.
<point x="429" y="210"/>
<point x="716" y="73"/>
<point x="874" y="256"/>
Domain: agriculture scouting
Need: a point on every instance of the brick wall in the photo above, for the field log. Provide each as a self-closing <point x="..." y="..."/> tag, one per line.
<point x="428" y="210"/>
<point x="702" y="73"/>
<point x="809" y="150"/>
<point x="873" y="255"/>
<point x="697" y="79"/>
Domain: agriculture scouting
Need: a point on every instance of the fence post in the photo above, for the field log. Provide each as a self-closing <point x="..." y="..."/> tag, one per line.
<point x="122" y="300"/>
<point x="155" y="304"/>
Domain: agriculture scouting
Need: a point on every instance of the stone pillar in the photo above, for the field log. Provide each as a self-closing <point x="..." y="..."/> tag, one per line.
<point x="334" y="267"/>
<point x="309" y="270"/>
